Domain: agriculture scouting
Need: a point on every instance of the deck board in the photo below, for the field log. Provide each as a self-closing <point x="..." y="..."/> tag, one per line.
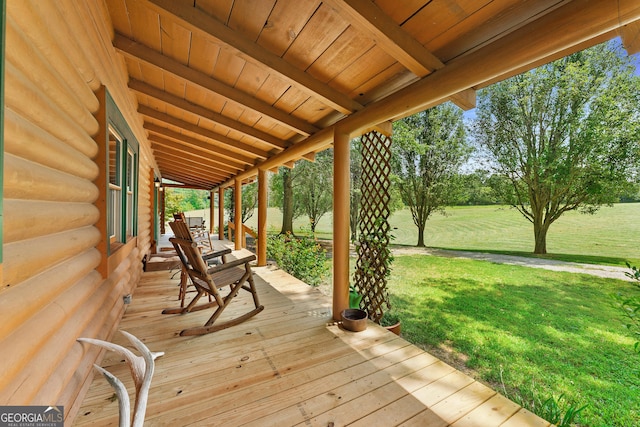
<point x="289" y="365"/>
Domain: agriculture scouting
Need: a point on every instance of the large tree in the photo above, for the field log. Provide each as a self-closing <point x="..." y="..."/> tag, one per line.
<point x="563" y="134"/>
<point x="428" y="150"/>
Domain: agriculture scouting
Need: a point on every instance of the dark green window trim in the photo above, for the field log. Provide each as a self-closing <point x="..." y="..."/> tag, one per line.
<point x="127" y="172"/>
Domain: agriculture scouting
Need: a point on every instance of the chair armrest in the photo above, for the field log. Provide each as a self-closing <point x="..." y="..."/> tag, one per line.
<point x="216" y="254"/>
<point x="230" y="264"/>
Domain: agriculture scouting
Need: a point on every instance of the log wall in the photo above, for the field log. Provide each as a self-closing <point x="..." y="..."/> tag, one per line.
<point x="59" y="56"/>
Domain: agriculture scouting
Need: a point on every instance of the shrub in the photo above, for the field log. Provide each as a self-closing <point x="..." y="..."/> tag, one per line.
<point x="630" y="306"/>
<point x="301" y="257"/>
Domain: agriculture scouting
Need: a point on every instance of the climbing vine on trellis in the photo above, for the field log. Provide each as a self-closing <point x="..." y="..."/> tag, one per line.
<point x="374" y="257"/>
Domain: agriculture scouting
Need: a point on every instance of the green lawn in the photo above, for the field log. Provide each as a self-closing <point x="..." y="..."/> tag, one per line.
<point x="540" y="333"/>
<point x="608" y="237"/>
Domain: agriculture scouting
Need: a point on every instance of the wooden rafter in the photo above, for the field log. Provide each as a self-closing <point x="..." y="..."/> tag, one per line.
<point x="170" y="147"/>
<point x="205" y="113"/>
<point x="241" y="152"/>
<point x="191" y="143"/>
<point x="187" y="165"/>
<point x="149" y="56"/>
<point x="202" y="23"/>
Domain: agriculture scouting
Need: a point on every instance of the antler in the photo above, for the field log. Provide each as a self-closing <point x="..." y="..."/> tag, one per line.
<point x="141" y="367"/>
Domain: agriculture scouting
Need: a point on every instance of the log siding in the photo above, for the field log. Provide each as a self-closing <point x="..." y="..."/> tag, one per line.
<point x="58" y="282"/>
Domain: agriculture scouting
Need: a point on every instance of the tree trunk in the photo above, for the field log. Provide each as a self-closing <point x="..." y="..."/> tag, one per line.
<point x="287" y="202"/>
<point x="540" y="234"/>
<point x="421" y="236"/>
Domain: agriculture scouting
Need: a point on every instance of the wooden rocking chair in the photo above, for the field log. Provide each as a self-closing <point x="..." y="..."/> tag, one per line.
<point x="207" y="280"/>
<point x="181" y="230"/>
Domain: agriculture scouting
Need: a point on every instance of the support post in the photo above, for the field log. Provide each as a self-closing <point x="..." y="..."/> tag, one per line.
<point x="262" y="218"/>
<point x="237" y="218"/>
<point x="220" y="213"/>
<point x="341" y="208"/>
<point x="211" y="210"/>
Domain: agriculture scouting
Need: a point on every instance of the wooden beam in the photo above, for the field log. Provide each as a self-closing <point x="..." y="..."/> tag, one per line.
<point x="237" y="219"/>
<point x="630" y="35"/>
<point x="171" y="166"/>
<point x="389" y="36"/>
<point x="168" y="146"/>
<point x="220" y="213"/>
<point x="191" y="181"/>
<point x="202" y="174"/>
<point x="225" y="141"/>
<point x="465" y="99"/>
<point x="164" y="147"/>
<point x="205" y="113"/>
<point x="195" y="144"/>
<point x="149" y="56"/>
<point x="200" y="22"/>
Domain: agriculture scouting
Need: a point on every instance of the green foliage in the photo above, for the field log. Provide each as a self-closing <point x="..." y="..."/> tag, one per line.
<point x="629" y="306"/>
<point x="557" y="412"/>
<point x="429" y="149"/>
<point x="564" y="134"/>
<point x="303" y="258"/>
<point x="184" y="200"/>
<point x="547" y="328"/>
<point x="314" y="186"/>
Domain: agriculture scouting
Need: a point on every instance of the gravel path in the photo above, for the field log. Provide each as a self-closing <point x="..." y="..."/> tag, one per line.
<point x="606" y="271"/>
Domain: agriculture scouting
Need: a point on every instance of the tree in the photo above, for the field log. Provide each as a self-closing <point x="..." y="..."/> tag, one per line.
<point x="429" y="148"/>
<point x="314" y="186"/>
<point x="282" y="196"/>
<point x="563" y="134"/>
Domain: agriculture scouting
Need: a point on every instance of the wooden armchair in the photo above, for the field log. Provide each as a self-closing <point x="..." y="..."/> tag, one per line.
<point x="209" y="281"/>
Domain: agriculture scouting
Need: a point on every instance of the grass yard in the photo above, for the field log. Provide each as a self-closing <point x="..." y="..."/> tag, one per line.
<point x="609" y="237"/>
<point x="528" y="333"/>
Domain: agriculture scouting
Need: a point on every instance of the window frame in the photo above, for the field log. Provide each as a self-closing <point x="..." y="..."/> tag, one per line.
<point x="122" y="211"/>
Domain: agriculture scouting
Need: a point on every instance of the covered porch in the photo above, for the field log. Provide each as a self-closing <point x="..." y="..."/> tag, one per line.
<point x="290" y="365"/>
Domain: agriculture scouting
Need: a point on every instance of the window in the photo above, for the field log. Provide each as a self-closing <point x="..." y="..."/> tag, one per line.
<point x="122" y="182"/>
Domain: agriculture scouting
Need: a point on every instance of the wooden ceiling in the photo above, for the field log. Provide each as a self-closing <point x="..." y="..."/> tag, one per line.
<point x="224" y="86"/>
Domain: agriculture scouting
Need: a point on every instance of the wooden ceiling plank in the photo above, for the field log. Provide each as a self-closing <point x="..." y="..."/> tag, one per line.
<point x="630" y="35"/>
<point x="324" y="27"/>
<point x="390" y="36"/>
<point x="165" y="152"/>
<point x="188" y="165"/>
<point x="178" y="149"/>
<point x="202" y="175"/>
<point x="400" y="11"/>
<point x="345" y="50"/>
<point x="203" y="112"/>
<point x="130" y="48"/>
<point x="190" y="143"/>
<point x="168" y="166"/>
<point x="284" y="24"/>
<point x="165" y="118"/>
<point x="197" y="144"/>
<point x="188" y="181"/>
<point x="249" y="17"/>
<point x="202" y="23"/>
<point x="176" y="41"/>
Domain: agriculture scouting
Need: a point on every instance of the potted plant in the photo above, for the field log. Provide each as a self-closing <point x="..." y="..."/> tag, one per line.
<point x="391" y="321"/>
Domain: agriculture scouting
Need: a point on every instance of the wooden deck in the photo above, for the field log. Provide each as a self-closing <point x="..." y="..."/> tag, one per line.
<point x="289" y="365"/>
